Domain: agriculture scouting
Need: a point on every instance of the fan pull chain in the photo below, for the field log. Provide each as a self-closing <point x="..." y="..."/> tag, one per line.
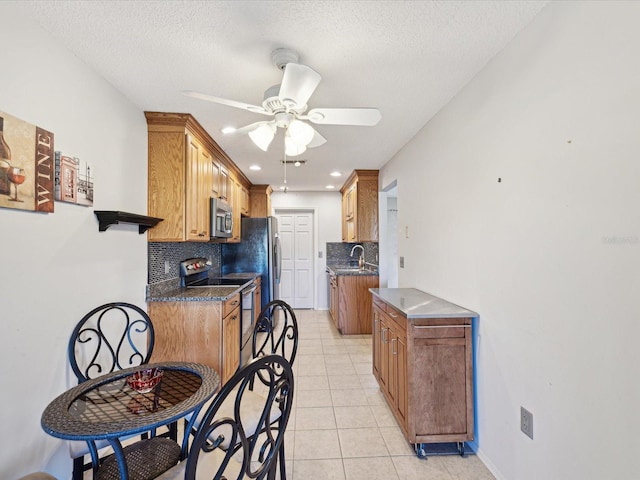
<point x="285" y="170"/>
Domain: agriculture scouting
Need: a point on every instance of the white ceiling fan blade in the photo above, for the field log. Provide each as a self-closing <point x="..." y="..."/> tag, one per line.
<point x="317" y="140"/>
<point x="344" y="116"/>
<point x="225" y="101"/>
<point x="249" y="128"/>
<point x="298" y="84"/>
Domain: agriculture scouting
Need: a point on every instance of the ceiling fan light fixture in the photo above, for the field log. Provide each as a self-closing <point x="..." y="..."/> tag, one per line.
<point x="262" y="136"/>
<point x="291" y="148"/>
<point x="301" y="133"/>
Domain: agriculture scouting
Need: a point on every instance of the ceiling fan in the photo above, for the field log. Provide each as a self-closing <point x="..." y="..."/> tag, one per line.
<point x="287" y="104"/>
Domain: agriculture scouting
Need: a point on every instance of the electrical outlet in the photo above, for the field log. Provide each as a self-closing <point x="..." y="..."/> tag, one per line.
<point x="167" y="266"/>
<point x="526" y="422"/>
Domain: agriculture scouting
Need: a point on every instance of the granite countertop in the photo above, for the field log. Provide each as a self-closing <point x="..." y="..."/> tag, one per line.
<point x="417" y="304"/>
<point x="171" y="291"/>
<point x="351" y="270"/>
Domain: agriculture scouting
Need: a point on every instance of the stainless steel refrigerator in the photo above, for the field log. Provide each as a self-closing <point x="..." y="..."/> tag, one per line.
<point x="258" y="251"/>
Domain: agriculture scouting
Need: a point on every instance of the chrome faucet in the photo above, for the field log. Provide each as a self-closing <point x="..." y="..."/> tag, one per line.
<point x="361" y="257"/>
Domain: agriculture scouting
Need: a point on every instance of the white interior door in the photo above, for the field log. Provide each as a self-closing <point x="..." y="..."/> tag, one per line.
<point x="296" y="237"/>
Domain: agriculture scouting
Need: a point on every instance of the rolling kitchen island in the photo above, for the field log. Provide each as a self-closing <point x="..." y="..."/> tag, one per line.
<point x="423" y="361"/>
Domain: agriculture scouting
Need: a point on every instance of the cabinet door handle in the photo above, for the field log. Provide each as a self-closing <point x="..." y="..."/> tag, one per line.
<point x="394" y="351"/>
<point x="393" y="315"/>
<point x="234" y="303"/>
<point x="382" y="332"/>
<point x="235" y="317"/>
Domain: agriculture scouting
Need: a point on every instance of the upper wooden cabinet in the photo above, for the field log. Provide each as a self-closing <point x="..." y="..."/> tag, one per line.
<point x="224" y="185"/>
<point x="235" y="199"/>
<point x="186" y="168"/>
<point x="197" y="187"/>
<point x="260" y="201"/>
<point x="244" y="200"/>
<point x="360" y="207"/>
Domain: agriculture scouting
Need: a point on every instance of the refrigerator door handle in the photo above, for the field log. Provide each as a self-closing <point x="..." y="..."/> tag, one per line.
<point x="277" y="259"/>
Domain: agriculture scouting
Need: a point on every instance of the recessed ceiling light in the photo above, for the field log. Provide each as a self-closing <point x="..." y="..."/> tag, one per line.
<point x="255" y="167"/>
<point x="227" y="130"/>
<point x="283" y="187"/>
<point x="330" y="187"/>
<point x="335" y="174"/>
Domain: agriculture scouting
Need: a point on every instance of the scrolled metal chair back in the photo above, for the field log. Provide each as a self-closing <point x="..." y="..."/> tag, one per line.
<point x="110" y="337"/>
<point x="218" y="432"/>
<point x="276" y="332"/>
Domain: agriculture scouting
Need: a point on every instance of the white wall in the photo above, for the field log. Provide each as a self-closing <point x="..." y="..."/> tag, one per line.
<point x="328" y="228"/>
<point x="56" y="267"/>
<point x="549" y="256"/>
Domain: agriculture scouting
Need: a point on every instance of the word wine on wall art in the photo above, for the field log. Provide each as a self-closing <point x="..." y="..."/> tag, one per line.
<point x="26" y="165"/>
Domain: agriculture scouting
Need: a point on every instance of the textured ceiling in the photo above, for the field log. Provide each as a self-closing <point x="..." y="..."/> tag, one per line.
<point x="408" y="58"/>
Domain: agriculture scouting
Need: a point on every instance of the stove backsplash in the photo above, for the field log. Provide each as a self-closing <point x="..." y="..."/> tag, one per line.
<point x="171" y="254"/>
<point x="338" y="253"/>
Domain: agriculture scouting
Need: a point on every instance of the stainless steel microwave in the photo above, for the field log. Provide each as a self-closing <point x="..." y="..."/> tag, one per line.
<point x="221" y="218"/>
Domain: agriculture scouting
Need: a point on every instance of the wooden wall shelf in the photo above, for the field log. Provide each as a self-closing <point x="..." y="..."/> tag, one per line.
<point x="110" y="217"/>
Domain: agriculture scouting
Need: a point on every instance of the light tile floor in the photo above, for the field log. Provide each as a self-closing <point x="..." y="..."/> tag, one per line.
<point x="341" y="427"/>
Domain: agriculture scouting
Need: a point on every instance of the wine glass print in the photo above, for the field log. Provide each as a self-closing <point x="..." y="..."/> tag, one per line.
<point x="16" y="176"/>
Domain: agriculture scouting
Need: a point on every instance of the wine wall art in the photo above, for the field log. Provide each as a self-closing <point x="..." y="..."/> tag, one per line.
<point x="27" y="165"/>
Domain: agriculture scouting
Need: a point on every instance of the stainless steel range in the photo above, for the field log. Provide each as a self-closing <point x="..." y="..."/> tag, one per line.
<point x="195" y="273"/>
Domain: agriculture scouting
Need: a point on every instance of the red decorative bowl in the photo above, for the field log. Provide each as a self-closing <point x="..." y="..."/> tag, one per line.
<point x="143" y="381"/>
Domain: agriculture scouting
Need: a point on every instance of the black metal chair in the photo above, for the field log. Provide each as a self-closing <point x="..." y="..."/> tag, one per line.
<point x="225" y="445"/>
<point x="110" y="337"/>
<point x="275" y="333"/>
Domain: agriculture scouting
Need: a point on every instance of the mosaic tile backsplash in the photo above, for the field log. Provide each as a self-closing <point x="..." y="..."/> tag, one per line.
<point x="174" y="253"/>
<point x="338" y="253"/>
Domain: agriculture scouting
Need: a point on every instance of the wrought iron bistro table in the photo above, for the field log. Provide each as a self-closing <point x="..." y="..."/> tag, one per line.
<point x="107" y="408"/>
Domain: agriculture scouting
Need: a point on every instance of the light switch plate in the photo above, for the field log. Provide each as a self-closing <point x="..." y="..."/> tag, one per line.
<point x="401" y="262"/>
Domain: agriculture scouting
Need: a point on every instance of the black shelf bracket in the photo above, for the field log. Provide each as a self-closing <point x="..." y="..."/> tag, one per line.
<point x="110" y="217"/>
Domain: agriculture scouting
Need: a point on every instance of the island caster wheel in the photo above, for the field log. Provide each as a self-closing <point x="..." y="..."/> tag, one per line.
<point x="461" y="448"/>
<point x="421" y="452"/>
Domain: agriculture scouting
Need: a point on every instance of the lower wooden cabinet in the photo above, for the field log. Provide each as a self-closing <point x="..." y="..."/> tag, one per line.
<point x="350" y="302"/>
<point x="206" y="332"/>
<point x="424" y="367"/>
<point x="390" y="361"/>
<point x="230" y="344"/>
